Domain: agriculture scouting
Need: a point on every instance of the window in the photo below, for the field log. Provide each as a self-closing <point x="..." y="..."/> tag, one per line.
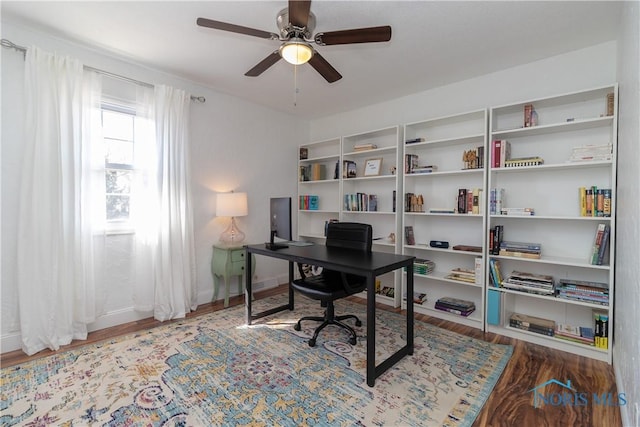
<point x="118" y="130"/>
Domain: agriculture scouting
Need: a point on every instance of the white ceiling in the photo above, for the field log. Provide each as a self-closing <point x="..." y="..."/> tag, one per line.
<point x="432" y="43"/>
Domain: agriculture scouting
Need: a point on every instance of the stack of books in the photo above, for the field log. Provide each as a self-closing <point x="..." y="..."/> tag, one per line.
<point x="582" y="290"/>
<point x="456" y="306"/>
<point x="418" y="297"/>
<point x="586" y="153"/>
<point x="577" y="334"/>
<point x="532" y="324"/>
<point x="424" y="169"/>
<point x="531" y="283"/>
<point x="520" y="249"/>
<point x="364" y="147"/>
<point x="423" y="266"/>
<point x="462" y="275"/>
<point x="517" y="211"/>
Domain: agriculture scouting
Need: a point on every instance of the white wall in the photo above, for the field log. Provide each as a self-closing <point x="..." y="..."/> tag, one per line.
<point x="236" y="145"/>
<point x="576" y="70"/>
<point x="626" y="357"/>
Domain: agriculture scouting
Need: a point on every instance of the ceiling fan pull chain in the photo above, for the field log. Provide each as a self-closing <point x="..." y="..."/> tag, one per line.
<point x="295" y="85"/>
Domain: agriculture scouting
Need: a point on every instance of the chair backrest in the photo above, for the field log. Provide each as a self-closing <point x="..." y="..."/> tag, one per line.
<point x="352" y="235"/>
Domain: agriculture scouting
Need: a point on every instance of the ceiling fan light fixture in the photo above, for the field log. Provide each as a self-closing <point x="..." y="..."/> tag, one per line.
<point x="296" y="51"/>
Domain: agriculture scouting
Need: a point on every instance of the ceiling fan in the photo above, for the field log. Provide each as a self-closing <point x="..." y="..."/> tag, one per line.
<point x="296" y="24"/>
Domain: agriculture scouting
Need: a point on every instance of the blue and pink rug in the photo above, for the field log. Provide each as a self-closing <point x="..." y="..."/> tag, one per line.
<point x="213" y="370"/>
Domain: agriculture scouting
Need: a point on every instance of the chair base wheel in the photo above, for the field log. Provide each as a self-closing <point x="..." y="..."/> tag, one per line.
<point x="312" y="342"/>
<point x="352" y="341"/>
<point x="297" y="327"/>
<point x="358" y="322"/>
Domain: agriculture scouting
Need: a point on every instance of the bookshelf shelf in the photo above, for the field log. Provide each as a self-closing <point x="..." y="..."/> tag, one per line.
<point x="552" y="298"/>
<point x="567" y="124"/>
<point x="551" y="217"/>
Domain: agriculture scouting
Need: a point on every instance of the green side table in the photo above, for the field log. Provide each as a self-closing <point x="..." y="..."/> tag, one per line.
<point x="228" y="261"/>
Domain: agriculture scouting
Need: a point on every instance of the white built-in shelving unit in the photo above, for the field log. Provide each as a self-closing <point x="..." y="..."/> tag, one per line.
<point x="552" y="189"/>
<point x="442" y="144"/>
<point x="563" y="122"/>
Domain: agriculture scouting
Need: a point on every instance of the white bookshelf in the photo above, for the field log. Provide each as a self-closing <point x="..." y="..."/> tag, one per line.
<point x="564" y="122"/>
<point x="442" y="143"/>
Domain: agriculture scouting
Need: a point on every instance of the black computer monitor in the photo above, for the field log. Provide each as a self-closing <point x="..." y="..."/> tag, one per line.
<point x="280" y="218"/>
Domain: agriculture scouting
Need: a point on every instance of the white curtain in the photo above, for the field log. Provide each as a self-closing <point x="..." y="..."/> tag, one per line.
<point x="61" y="211"/>
<point x="162" y="210"/>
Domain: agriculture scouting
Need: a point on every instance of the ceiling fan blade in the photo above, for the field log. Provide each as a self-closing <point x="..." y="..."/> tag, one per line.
<point x="299" y="12"/>
<point x="324" y="68"/>
<point x="225" y="26"/>
<point x="358" y="35"/>
<point x="262" y="66"/>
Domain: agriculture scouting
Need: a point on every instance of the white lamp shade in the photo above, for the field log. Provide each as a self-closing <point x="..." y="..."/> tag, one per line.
<point x="231" y="204"/>
<point x="296" y="51"/>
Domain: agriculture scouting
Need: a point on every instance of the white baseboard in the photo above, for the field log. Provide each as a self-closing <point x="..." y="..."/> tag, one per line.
<point x="13" y="341"/>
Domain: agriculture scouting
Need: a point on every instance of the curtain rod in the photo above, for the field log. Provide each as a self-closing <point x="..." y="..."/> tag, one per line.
<point x="10" y="45"/>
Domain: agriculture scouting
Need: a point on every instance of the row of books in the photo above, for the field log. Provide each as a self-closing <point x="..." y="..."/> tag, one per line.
<point x="413" y="202"/>
<point x="470" y="201"/>
<point x="500" y="152"/>
<point x="600" y="250"/>
<point x="455" y="306"/>
<point x="496" y="200"/>
<point x="583" y="290"/>
<point x="534" y="324"/>
<point x="312" y="172"/>
<point x="308" y="202"/>
<point x="578" y="334"/>
<point x="595" y="201"/>
<point x="360" y="202"/>
<point x="597" y="336"/>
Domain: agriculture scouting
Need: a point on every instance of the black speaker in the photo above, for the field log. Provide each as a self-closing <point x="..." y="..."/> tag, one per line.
<point x="439" y="244"/>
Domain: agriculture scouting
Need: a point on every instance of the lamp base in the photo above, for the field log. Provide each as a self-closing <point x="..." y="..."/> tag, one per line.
<point x="232" y="234"/>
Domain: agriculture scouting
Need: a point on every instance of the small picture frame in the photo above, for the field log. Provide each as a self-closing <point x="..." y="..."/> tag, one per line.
<point x="372" y="167"/>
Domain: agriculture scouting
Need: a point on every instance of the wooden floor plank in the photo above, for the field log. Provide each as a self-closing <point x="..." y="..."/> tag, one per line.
<point x="510" y="403"/>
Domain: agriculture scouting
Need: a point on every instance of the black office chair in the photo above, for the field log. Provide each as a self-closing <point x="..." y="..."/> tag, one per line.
<point x="332" y="285"/>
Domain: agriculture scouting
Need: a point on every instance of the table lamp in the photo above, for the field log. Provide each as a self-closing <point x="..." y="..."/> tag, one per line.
<point x="232" y="205"/>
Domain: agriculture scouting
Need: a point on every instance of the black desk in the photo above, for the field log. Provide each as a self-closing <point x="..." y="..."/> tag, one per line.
<point x="369" y="265"/>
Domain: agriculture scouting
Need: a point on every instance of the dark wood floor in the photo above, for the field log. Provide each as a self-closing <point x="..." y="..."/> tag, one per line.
<point x="510" y="404"/>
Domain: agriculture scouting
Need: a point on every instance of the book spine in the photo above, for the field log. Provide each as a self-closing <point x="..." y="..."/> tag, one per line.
<point x="496" y="153"/>
<point x="606" y="202"/>
<point x="604" y="245"/>
<point x="582" y="194"/>
<point x="596" y="244"/>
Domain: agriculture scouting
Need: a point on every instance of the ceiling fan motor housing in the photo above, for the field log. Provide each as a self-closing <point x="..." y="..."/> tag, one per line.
<point x="287" y="30"/>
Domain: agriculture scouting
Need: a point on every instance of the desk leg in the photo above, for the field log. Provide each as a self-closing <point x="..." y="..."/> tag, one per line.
<point x="410" y="309"/>
<point x="290" y="287"/>
<point x="247" y="289"/>
<point x="371" y="330"/>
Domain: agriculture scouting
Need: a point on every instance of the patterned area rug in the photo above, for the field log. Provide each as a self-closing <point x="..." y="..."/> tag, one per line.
<point x="214" y="370"/>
